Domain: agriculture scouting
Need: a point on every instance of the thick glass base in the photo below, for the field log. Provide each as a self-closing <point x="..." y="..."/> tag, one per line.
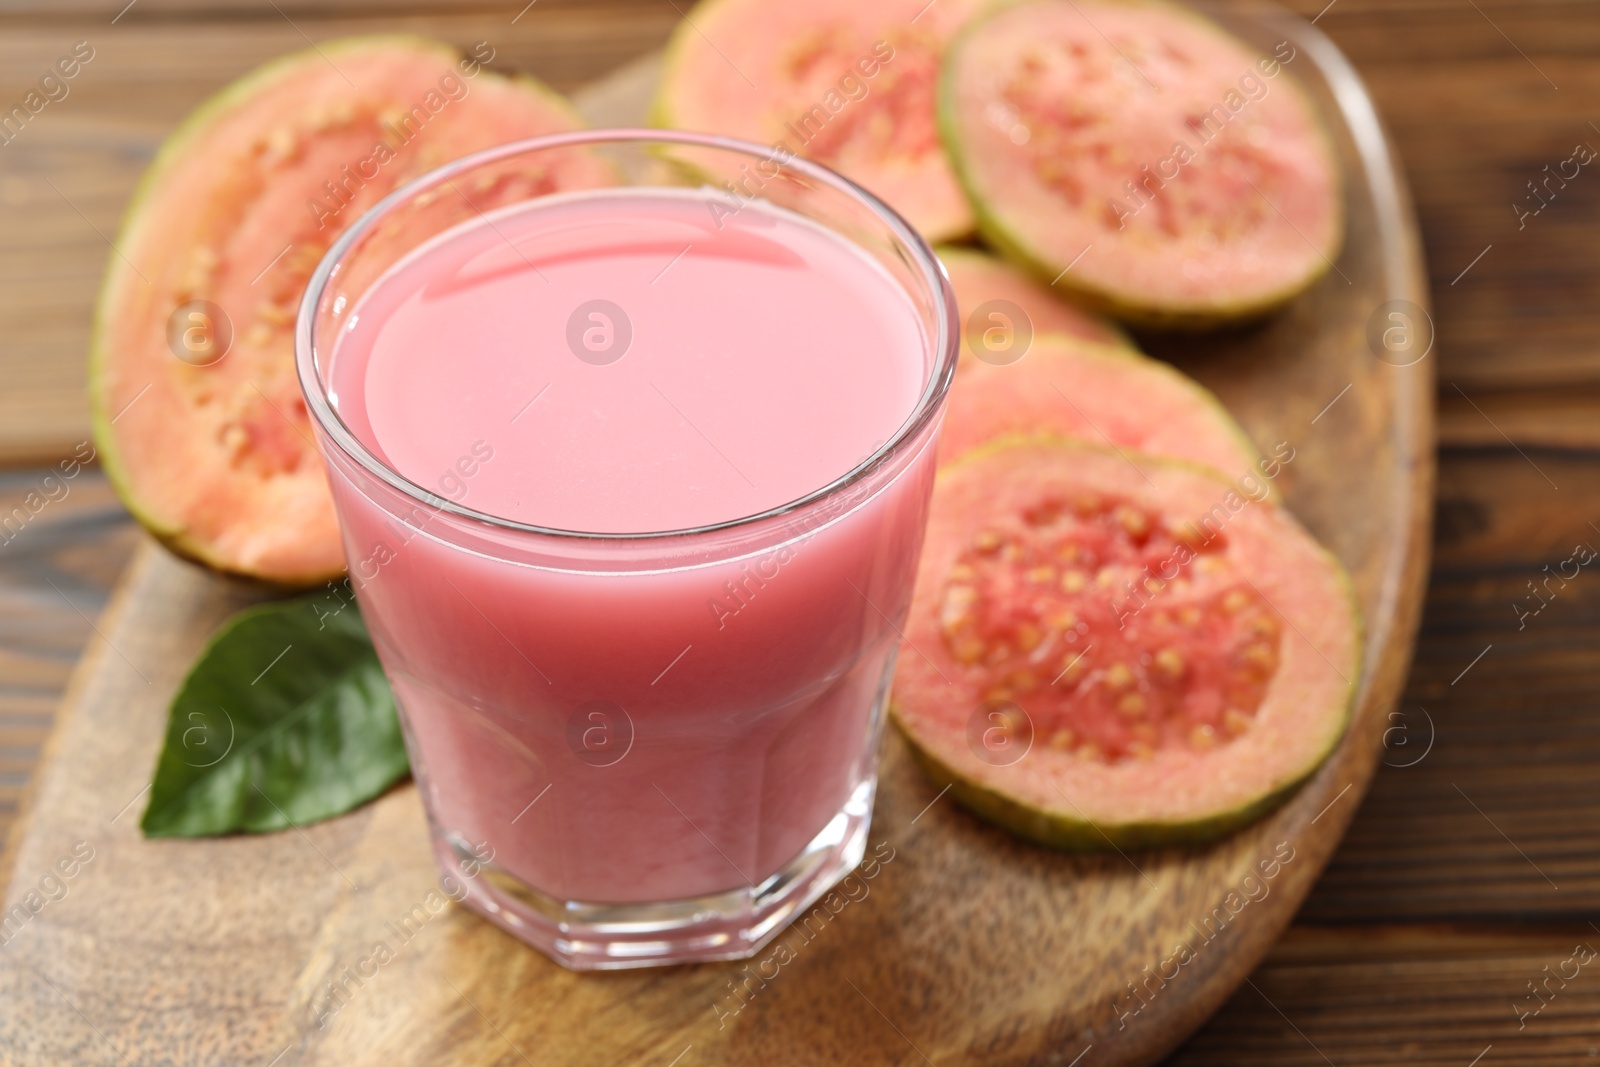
<point x="723" y="926"/>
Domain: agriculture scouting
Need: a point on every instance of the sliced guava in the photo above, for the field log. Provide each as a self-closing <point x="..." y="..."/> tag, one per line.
<point x="985" y="286"/>
<point x="1184" y="178"/>
<point x="197" y="412"/>
<point x="849" y="85"/>
<point x="1106" y="396"/>
<point x="1112" y="649"/>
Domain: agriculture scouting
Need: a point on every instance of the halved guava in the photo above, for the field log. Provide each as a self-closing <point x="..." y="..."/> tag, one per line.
<point x="850" y="85"/>
<point x="1112" y="649"/>
<point x="1106" y="396"/>
<point x="197" y="412"/>
<point x="1183" y="177"/>
<point x="984" y="285"/>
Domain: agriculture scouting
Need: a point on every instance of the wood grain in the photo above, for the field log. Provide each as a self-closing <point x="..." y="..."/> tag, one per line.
<point x="1514" y="736"/>
<point x="247" y="931"/>
<point x="1417" y="938"/>
<point x="1459" y="85"/>
<point x="57" y="566"/>
<point x="1047" y="949"/>
<point x="66" y="180"/>
<point x="1472" y="125"/>
<point x="1424" y="995"/>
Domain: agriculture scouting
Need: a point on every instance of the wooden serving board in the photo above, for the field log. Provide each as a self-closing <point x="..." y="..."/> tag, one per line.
<point x="967" y="946"/>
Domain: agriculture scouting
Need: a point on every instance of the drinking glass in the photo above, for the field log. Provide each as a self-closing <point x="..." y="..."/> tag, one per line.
<point x="611" y="771"/>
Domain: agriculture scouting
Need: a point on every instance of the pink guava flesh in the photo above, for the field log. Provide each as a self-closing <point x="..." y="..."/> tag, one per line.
<point x="1105" y="396"/>
<point x="212" y="449"/>
<point x="1190" y="172"/>
<point x="1167" y="657"/>
<point x="850" y="85"/>
<point x="979" y="279"/>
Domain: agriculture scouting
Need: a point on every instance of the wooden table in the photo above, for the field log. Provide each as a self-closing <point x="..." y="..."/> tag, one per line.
<point x="1473" y="868"/>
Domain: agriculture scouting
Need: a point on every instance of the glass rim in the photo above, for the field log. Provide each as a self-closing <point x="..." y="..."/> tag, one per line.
<point x="946" y="342"/>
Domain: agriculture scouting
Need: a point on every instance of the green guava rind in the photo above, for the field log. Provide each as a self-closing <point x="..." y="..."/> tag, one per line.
<point x="1064" y="826"/>
<point x="1115" y="389"/>
<point x="1070" y="834"/>
<point x="1105" y="300"/>
<point x="319" y="556"/>
<point x="173" y="535"/>
<point x="923" y="190"/>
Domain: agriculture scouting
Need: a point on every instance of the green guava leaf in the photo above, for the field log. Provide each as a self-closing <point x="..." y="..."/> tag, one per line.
<point x="284" y="720"/>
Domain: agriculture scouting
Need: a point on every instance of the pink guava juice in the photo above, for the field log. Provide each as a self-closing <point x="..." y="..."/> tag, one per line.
<point x="629" y="675"/>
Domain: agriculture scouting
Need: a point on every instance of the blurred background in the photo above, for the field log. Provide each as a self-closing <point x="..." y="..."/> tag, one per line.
<point x="1424" y="936"/>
